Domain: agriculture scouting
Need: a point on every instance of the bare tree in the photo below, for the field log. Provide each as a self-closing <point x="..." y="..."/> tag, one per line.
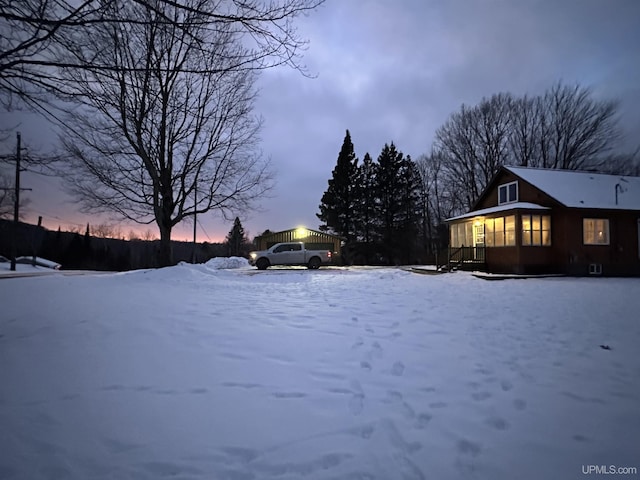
<point x="37" y="35"/>
<point x="148" y="235"/>
<point x="104" y="230"/>
<point x="576" y="130"/>
<point x="6" y="196"/>
<point x="473" y="144"/>
<point x="427" y="171"/>
<point x="7" y="187"/>
<point x="155" y="140"/>
<point x="564" y="128"/>
<point x="525" y="141"/>
<point x="6" y="183"/>
<point x="622" y="163"/>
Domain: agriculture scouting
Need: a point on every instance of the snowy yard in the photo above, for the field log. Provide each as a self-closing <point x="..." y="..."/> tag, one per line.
<point x="197" y="372"/>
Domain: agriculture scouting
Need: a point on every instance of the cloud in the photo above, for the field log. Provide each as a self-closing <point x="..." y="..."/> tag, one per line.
<point x="395" y="70"/>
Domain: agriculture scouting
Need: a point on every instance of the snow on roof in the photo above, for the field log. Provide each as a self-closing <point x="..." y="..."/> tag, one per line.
<point x="584" y="189"/>
<point x="499" y="208"/>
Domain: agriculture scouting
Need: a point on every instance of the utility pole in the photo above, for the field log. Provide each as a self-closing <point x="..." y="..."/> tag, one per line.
<point x="16" y="205"/>
<point x="16" y="208"/>
<point x="195" y="220"/>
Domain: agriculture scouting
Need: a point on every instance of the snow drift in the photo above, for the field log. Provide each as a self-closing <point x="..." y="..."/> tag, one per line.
<point x="218" y="371"/>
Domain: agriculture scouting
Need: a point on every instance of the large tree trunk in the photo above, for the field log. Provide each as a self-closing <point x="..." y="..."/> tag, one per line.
<point x="165" y="254"/>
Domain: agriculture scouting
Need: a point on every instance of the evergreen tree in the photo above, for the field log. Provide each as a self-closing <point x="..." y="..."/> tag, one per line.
<point x="364" y="214"/>
<point x="87" y="250"/>
<point x="387" y="186"/>
<point x="410" y="215"/>
<point x="237" y="243"/>
<point x="397" y="191"/>
<point x="338" y="202"/>
<point x="365" y="210"/>
<point x="73" y="255"/>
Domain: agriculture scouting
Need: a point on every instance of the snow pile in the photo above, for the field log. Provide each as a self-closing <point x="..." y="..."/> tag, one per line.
<point x="5" y="268"/>
<point x="329" y="374"/>
<point x="224" y="263"/>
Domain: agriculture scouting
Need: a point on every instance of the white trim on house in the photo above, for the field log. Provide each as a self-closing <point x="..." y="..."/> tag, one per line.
<point x="500" y="208"/>
<point x="508" y="198"/>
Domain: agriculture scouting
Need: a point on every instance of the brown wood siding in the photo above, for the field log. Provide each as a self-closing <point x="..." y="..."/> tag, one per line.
<point x="567" y="253"/>
<point x="620" y="257"/>
<point x="502" y="259"/>
<point x="526" y="192"/>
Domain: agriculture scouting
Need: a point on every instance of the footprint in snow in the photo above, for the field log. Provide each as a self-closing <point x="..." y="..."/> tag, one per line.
<point x="519" y="404"/>
<point x="289" y="394"/>
<point x="480" y="396"/>
<point x="376" y="350"/>
<point x="506" y="385"/>
<point x="397" y="369"/>
<point x="467" y="447"/>
<point x="365" y="366"/>
<point x="423" y="420"/>
<point x="356" y="402"/>
<point x="364" y="431"/>
<point x="497" y="422"/>
<point x="404" y="408"/>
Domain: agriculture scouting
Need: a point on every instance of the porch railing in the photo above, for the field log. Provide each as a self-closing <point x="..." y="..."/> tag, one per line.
<point x="461" y="257"/>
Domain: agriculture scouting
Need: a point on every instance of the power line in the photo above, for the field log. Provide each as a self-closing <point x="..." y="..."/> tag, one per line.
<point x="204" y="231"/>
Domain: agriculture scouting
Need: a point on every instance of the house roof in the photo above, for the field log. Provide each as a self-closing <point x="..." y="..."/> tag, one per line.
<point x="499" y="208"/>
<point x="584" y="189"/>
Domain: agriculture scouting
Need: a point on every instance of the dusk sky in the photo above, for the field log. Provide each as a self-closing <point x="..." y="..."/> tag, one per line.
<point x="394" y="70"/>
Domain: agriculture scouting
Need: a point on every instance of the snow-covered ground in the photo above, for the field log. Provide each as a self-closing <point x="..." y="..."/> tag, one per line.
<point x="210" y="372"/>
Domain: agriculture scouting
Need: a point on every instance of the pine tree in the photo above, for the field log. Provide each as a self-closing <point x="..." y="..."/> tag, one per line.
<point x="387" y="185"/>
<point x="409" y="216"/>
<point x="365" y="205"/>
<point x="397" y="190"/>
<point x="338" y="202"/>
<point x="236" y="242"/>
<point x="365" y="210"/>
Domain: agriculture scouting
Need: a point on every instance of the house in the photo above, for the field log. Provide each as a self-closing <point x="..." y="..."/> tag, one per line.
<point x="533" y="221"/>
<point x="313" y="239"/>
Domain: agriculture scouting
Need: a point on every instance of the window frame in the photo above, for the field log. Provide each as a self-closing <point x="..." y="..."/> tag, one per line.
<point x="606" y="230"/>
<point x="498" y="238"/>
<point x="531" y="231"/>
<point x="461" y="234"/>
<point x="505" y="187"/>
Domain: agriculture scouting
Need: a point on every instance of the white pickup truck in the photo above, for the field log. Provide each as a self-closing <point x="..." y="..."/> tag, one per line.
<point x="290" y="253"/>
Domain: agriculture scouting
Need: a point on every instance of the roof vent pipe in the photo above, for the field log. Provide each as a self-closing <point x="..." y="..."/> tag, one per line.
<point x="619" y="186"/>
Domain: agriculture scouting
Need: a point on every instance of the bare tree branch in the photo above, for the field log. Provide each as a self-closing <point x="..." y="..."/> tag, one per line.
<point x="564" y="128"/>
<point x="155" y="142"/>
<point x="41" y="37"/>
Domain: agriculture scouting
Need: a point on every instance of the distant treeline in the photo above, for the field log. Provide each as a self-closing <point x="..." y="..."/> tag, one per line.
<point x="74" y="250"/>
